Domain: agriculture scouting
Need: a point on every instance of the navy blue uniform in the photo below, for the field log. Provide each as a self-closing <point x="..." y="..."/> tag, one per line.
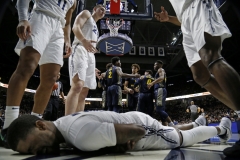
<point x="114" y="91"/>
<point x="145" y="99"/>
<point x="132" y="99"/>
<point x="160" y="94"/>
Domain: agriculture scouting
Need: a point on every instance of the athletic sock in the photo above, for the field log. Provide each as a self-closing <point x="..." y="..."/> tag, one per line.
<point x="223" y="130"/>
<point x="195" y="124"/>
<point x="36" y="114"/>
<point x="11" y="113"/>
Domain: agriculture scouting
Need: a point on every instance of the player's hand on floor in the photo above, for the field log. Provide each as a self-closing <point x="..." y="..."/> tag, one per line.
<point x="87" y="44"/>
<point x="23" y="30"/>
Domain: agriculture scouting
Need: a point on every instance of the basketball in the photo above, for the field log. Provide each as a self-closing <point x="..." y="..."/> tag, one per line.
<point x="55" y="86"/>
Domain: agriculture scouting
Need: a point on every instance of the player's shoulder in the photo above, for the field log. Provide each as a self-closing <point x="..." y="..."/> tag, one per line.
<point x="85" y="13"/>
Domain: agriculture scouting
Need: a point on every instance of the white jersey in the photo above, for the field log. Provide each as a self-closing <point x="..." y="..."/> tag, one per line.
<point x="179" y="6"/>
<point x="89" y="131"/>
<point x="56" y="8"/>
<point x="90" y="32"/>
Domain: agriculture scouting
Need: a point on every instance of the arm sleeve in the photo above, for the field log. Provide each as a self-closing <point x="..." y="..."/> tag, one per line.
<point x="95" y="135"/>
<point x="22" y="7"/>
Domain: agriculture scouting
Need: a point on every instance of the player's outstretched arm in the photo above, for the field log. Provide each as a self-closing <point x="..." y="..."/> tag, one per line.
<point x="125" y="75"/>
<point x="164" y="17"/>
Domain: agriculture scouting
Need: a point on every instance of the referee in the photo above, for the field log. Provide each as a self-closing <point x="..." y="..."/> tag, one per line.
<point x="194" y="111"/>
<point x="51" y="110"/>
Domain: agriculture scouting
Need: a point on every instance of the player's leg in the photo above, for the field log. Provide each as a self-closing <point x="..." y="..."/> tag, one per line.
<point x="149" y="104"/>
<point x="202" y="133"/>
<point x="27" y="64"/>
<point x="48" y="76"/>
<point x="50" y="65"/>
<point x="109" y="98"/>
<point x="160" y="97"/>
<point x="90" y="81"/>
<point x="208" y="43"/>
<point x="141" y="103"/>
<point x="200" y="121"/>
<point x="77" y="66"/>
<point x="117" y="98"/>
<point x="81" y="99"/>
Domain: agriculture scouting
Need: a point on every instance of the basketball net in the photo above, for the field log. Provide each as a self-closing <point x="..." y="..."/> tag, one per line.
<point x="114" y="25"/>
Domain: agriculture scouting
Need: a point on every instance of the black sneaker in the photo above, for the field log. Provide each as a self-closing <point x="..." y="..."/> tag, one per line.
<point x="232" y="151"/>
<point x="3" y="138"/>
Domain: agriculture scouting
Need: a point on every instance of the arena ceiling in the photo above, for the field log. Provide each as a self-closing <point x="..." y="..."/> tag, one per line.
<point x="146" y="33"/>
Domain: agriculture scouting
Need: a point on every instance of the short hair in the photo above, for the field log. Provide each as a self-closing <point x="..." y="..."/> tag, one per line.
<point x="114" y="60"/>
<point x="160" y="62"/>
<point x="149" y="71"/>
<point x="136" y="65"/>
<point x="108" y="65"/>
<point x="98" y="6"/>
<point x="19" y="129"/>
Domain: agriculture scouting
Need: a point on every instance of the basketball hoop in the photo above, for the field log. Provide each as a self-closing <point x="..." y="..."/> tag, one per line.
<point x="114" y="25"/>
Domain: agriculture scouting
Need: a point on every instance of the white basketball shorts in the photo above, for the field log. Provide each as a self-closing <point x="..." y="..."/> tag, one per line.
<point x="82" y="63"/>
<point x="201" y="16"/>
<point x="46" y="37"/>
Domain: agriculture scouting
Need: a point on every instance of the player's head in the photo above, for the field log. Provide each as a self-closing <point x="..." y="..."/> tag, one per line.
<point x="116" y="61"/>
<point x="30" y="134"/>
<point x="192" y="102"/>
<point x="135" y="68"/>
<point x="158" y="64"/>
<point x="108" y="66"/>
<point x="99" y="10"/>
<point x="148" y="72"/>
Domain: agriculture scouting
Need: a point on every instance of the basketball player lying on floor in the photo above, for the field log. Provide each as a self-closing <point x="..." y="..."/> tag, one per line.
<point x="91" y="131"/>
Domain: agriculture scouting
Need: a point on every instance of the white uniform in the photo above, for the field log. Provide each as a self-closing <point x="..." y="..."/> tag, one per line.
<point x="82" y="62"/>
<point x="89" y="131"/>
<point x="197" y="17"/>
<point x="46" y="21"/>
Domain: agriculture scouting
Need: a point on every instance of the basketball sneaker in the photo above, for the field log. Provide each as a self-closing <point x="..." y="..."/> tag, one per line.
<point x="226" y="124"/>
<point x="233" y="151"/>
<point x="201" y="121"/>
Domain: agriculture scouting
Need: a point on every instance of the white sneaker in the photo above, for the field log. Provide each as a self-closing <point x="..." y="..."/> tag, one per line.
<point x="201" y="121"/>
<point x="226" y="124"/>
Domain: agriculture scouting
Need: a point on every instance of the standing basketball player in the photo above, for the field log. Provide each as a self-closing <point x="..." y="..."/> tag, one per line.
<point x="203" y="33"/>
<point x="82" y="61"/>
<point x="41" y="41"/>
<point x="160" y="92"/>
<point x="132" y="96"/>
<point x="145" y="98"/>
<point x="114" y="82"/>
<point x="102" y="83"/>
